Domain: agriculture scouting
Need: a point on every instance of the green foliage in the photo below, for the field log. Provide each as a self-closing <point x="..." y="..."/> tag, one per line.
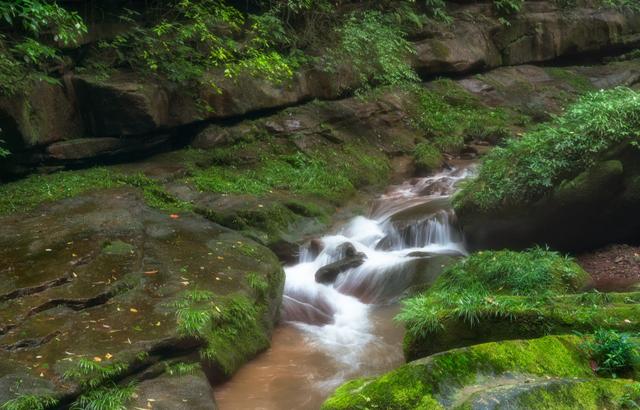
<point x="507" y="7"/>
<point x="468" y="290"/>
<point x="324" y="175"/>
<point x="527" y="168"/>
<point x="427" y="157"/>
<point x="375" y="45"/>
<point x="92" y="374"/>
<point x="194" y="37"/>
<point x="36" y="189"/>
<point x="24" y="58"/>
<point x="613" y="352"/>
<point x="258" y="283"/>
<point x="3" y="151"/>
<point x="30" y="402"/>
<point x="105" y="398"/>
<point x="33" y="190"/>
<point x="154" y="194"/>
<point x="448" y="115"/>
<point x="182" y="368"/>
<point x="622" y="5"/>
<point x="230" y="326"/>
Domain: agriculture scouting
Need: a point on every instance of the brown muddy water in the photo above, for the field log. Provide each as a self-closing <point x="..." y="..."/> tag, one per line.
<point x="331" y="333"/>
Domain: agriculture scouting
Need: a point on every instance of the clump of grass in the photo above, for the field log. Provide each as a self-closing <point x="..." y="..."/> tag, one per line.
<point x="154" y="194"/>
<point x="448" y="115"/>
<point x="92" y="374"/>
<point x="230" y="325"/>
<point x="30" y="402"/>
<point x="112" y="397"/>
<point x="34" y="190"/>
<point x="481" y="285"/>
<point x="182" y="368"/>
<point x="612" y="351"/>
<point x="527" y="168"/>
<point x="31" y="191"/>
<point x="427" y="157"/>
<point x="258" y="283"/>
<point x="328" y="178"/>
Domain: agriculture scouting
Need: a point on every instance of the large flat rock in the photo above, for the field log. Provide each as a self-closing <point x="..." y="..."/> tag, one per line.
<point x="99" y="278"/>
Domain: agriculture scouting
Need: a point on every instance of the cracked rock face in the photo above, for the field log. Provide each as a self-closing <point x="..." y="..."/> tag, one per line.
<point x="94" y="277"/>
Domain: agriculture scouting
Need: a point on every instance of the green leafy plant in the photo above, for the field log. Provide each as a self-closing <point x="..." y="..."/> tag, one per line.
<point x="24" y="57"/>
<point x="92" y="374"/>
<point x="527" y="168"/>
<point x="427" y="157"/>
<point x="30" y="402"/>
<point x="111" y="397"/>
<point x="612" y="351"/>
<point x="482" y="284"/>
<point x="376" y="47"/>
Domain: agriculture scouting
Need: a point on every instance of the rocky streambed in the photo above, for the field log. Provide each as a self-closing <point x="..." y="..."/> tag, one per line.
<point x="158" y="278"/>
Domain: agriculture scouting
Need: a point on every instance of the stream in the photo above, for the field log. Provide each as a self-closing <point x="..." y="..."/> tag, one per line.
<point x="330" y="333"/>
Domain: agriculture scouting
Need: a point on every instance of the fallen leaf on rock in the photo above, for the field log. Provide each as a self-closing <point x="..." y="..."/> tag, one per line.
<point x="133" y="310"/>
<point x="151" y="272"/>
<point x="174" y="216"/>
<point x="97" y="359"/>
<point x="108" y="356"/>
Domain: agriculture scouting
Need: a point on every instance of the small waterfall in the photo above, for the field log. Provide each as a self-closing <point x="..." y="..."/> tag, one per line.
<point x="409" y="227"/>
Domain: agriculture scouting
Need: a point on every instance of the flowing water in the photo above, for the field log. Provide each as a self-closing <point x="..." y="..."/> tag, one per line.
<point x="335" y="332"/>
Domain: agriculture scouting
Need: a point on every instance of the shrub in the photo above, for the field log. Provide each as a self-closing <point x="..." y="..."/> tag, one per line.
<point x="613" y="352"/>
<point x="527" y="168"/>
<point x="375" y="45"/>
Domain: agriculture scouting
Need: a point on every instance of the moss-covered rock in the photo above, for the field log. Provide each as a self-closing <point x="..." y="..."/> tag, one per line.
<point x="427" y="158"/>
<point x="492" y="296"/>
<point x="511" y="317"/>
<point x="98" y="289"/>
<point x="551" y="370"/>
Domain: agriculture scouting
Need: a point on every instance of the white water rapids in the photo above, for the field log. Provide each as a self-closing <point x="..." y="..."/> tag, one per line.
<point x="341" y="330"/>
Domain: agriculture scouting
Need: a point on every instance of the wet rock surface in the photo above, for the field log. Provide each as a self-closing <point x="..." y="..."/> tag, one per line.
<point x="97" y="278"/>
<point x="553" y="370"/>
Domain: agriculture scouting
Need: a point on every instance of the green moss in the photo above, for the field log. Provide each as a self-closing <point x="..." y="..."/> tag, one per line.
<point x="439" y="49"/>
<point x="231" y="327"/>
<point x="578" y="82"/>
<point x="154" y="194"/>
<point x="449" y="115"/>
<point x="434" y="328"/>
<point x="26" y="194"/>
<point x="118" y="248"/>
<point x="431" y="381"/>
<point x="579" y="395"/>
<point x="427" y="157"/>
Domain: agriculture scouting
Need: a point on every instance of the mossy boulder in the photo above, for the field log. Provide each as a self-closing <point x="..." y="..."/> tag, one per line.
<point x="493" y="296"/>
<point x="567" y="183"/>
<point x="552" y="370"/>
<point x="427" y="158"/>
<point x="512" y="317"/>
<point x="99" y="288"/>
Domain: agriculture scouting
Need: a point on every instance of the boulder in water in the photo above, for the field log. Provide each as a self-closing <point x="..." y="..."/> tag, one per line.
<point x="329" y="273"/>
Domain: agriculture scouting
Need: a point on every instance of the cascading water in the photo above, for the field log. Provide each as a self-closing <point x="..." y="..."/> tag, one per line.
<point x="340" y="330"/>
